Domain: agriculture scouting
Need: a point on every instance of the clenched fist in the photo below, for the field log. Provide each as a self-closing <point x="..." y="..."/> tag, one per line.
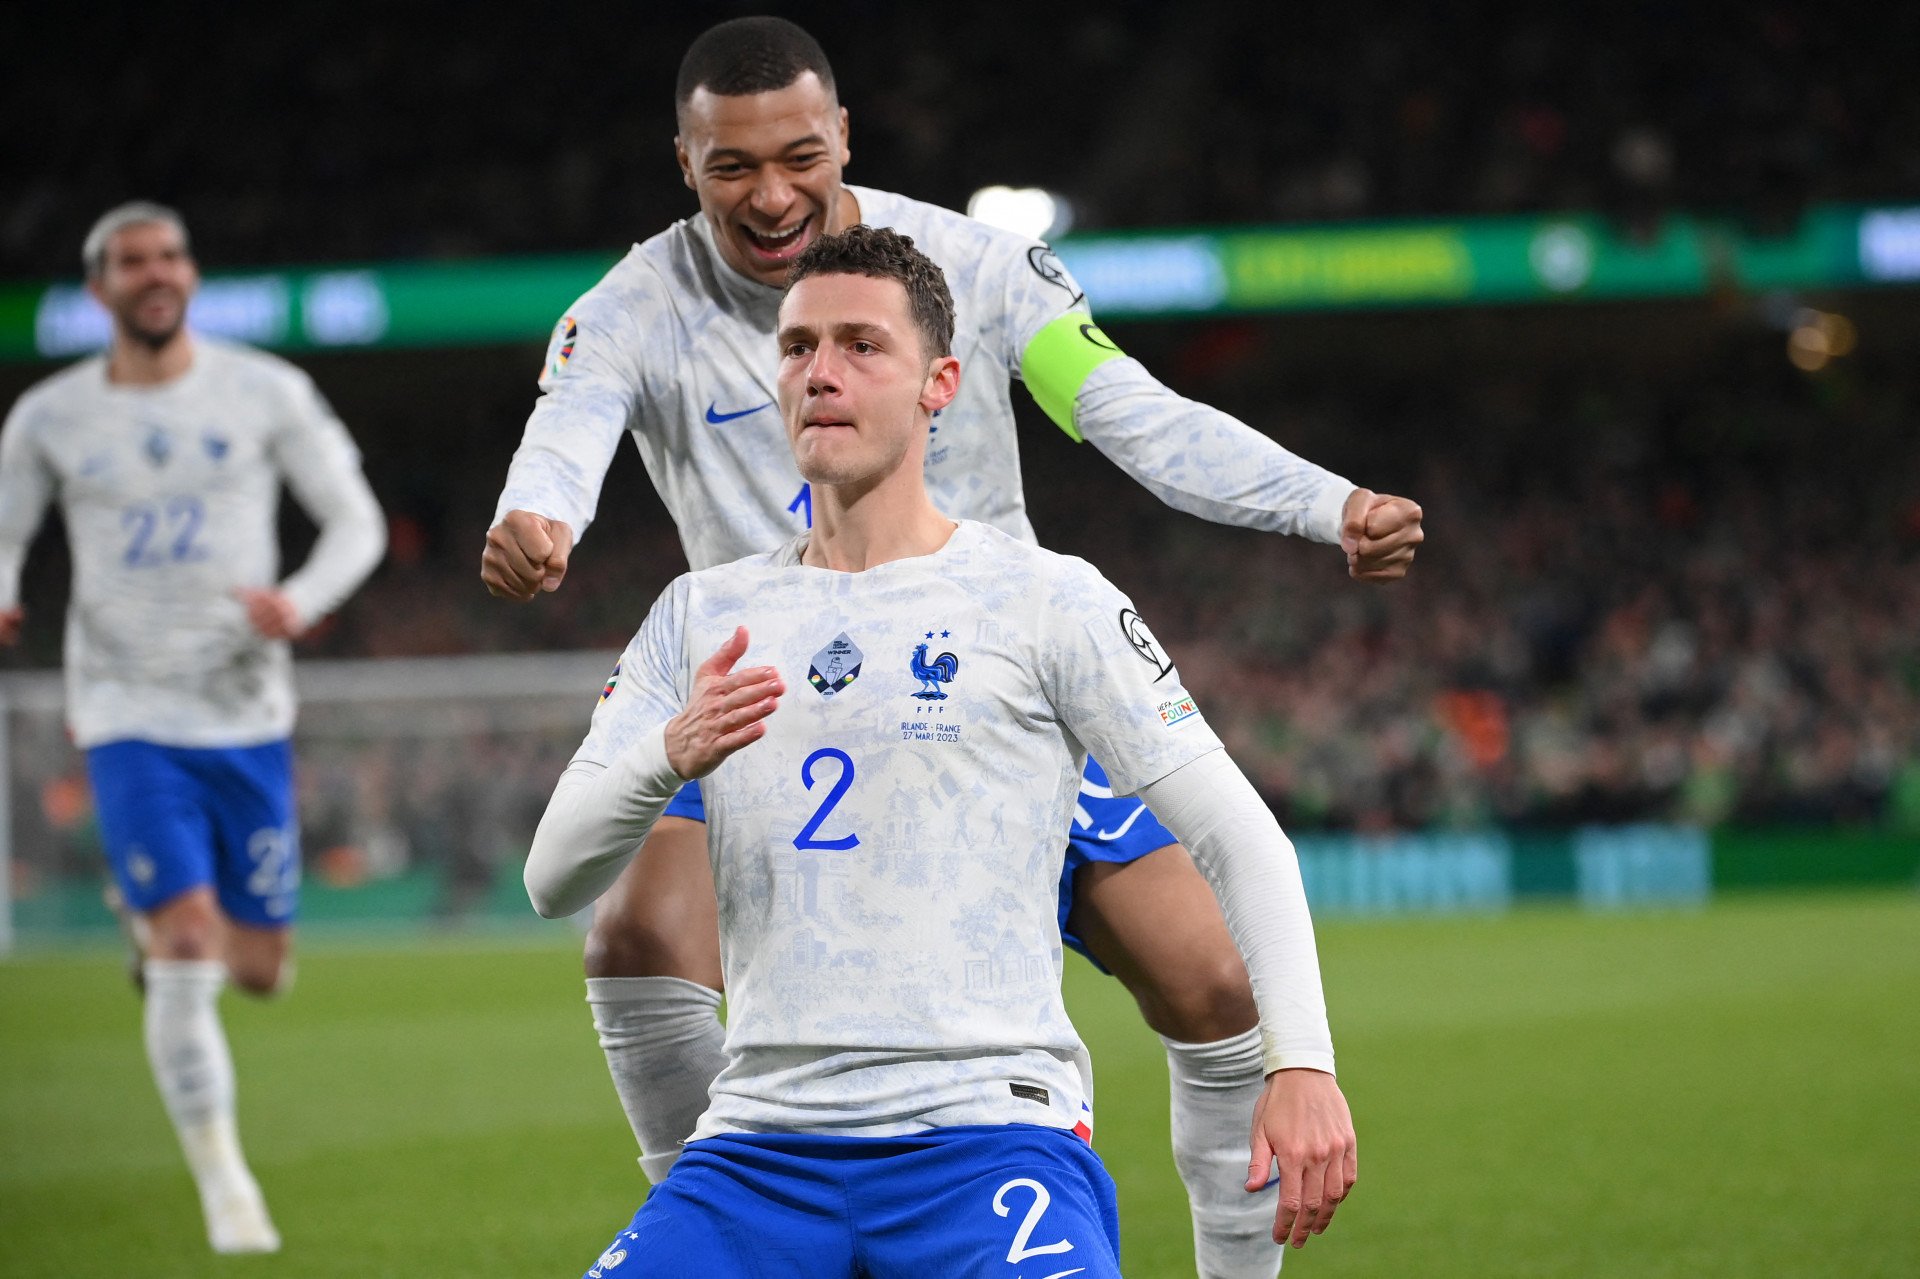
<point x="526" y="554"/>
<point x="1379" y="533"/>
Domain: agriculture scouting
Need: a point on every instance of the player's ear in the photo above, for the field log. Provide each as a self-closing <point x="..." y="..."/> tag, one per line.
<point x="845" y="154"/>
<point x="943" y="383"/>
<point x="685" y="161"/>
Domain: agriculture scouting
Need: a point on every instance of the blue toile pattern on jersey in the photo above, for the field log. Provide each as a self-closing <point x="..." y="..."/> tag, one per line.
<point x="887" y="867"/>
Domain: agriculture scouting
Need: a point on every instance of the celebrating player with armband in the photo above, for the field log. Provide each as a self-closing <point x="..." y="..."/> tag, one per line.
<point x="669" y="348"/>
<point x="886" y="720"/>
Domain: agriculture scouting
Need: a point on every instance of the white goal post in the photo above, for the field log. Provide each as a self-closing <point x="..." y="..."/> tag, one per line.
<point x="402" y="760"/>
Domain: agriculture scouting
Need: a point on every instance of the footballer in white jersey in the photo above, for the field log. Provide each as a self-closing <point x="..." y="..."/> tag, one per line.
<point x="889" y="734"/>
<point x="670" y="349"/>
<point x="166" y="457"/>
<point x="886" y="857"/>
<point x="171" y="496"/>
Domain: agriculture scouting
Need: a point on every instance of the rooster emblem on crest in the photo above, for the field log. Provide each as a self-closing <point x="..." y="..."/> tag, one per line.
<point x="932" y="674"/>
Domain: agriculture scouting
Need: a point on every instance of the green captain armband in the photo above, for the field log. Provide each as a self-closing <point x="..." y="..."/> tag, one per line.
<point x="1056" y="364"/>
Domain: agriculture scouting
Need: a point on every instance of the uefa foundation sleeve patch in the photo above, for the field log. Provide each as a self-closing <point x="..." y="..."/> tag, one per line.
<point x="1177" y="708"/>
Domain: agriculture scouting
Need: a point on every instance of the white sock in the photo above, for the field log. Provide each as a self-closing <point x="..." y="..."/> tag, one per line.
<point x="188" y="1051"/>
<point x="1214" y="1088"/>
<point x="662" y="1038"/>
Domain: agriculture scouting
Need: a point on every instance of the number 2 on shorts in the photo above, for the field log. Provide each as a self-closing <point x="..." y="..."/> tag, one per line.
<point x="1020" y="1252"/>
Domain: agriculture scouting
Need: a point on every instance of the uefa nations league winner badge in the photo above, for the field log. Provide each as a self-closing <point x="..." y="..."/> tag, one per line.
<point x="835" y="666"/>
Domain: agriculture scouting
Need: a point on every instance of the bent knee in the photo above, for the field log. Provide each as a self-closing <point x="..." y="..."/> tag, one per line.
<point x="264" y="976"/>
<point x="263" y="982"/>
<point x="185" y="943"/>
<point x="1205" y="1003"/>
<point x="619" y="946"/>
<point x="186" y="927"/>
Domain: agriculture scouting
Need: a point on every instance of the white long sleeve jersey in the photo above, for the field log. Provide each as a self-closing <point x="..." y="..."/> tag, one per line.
<point x="676" y="348"/>
<point x="887" y="857"/>
<point x="170" y="496"/>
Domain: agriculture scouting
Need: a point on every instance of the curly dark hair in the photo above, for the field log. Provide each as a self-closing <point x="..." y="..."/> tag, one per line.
<point x="884" y="254"/>
<point x="749" y="55"/>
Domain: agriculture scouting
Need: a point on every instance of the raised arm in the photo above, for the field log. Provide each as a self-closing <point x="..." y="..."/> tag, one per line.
<point x="321" y="465"/>
<point x="590" y="393"/>
<point x="636" y="757"/>
<point x="598" y="816"/>
<point x="26" y="488"/>
<point x="1191" y="456"/>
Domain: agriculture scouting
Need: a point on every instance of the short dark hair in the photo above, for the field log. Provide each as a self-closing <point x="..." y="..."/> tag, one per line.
<point x="883" y="254"/>
<point x="749" y="55"/>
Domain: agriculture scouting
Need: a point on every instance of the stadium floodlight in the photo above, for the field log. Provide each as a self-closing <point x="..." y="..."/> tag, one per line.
<point x="1028" y="211"/>
<point x="1819" y="337"/>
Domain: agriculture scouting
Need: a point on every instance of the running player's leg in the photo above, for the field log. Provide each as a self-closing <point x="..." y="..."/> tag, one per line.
<point x="739" y="1207"/>
<point x="257" y="834"/>
<point x="160" y="842"/>
<point x="653" y="982"/>
<point x="248" y="796"/>
<point x="1004" y="1200"/>
<point x="1136" y="905"/>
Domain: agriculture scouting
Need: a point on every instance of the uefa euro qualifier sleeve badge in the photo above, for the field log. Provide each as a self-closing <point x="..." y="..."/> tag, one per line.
<point x="835" y="666"/>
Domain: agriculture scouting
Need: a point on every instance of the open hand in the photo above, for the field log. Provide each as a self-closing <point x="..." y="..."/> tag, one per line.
<point x="526" y="554"/>
<point x="1302" y="1122"/>
<point x="726" y="711"/>
<point x="1379" y="533"/>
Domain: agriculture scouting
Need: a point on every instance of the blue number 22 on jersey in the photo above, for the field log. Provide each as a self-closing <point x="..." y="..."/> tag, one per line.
<point x="805" y="839"/>
<point x="163" y="532"/>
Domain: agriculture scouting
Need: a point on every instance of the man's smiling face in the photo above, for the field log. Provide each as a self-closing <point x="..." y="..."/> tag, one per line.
<point x="766" y="167"/>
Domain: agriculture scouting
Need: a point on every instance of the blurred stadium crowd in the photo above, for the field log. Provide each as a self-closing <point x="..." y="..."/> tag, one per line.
<point x="1698" y="604"/>
<point x="426" y="133"/>
<point x="1688" y="592"/>
<point x="1691" y="598"/>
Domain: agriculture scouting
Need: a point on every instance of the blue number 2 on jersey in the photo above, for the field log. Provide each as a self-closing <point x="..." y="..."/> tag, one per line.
<point x="805" y="840"/>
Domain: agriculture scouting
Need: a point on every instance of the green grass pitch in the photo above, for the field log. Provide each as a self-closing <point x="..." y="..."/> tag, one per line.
<point x="1726" y="1093"/>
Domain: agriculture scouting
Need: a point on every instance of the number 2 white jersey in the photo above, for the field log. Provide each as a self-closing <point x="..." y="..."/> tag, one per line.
<point x="170" y="496"/>
<point x="677" y="348"/>
<point x="888" y="856"/>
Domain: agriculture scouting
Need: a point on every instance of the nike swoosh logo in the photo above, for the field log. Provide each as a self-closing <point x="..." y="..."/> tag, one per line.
<point x="1062" y="1274"/>
<point x="717" y="418"/>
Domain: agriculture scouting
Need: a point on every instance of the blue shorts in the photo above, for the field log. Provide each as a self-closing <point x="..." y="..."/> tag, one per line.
<point x="1104" y="829"/>
<point x="1008" y="1201"/>
<point x="174" y="818"/>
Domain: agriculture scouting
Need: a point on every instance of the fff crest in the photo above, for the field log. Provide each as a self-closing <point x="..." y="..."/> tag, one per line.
<point x="932" y="672"/>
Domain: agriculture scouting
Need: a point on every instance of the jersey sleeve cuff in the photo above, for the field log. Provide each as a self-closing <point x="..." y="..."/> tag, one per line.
<point x="548" y="510"/>
<point x="646" y="775"/>
<point x="1273" y="1057"/>
<point x="1323" y="519"/>
<point x="306" y="603"/>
